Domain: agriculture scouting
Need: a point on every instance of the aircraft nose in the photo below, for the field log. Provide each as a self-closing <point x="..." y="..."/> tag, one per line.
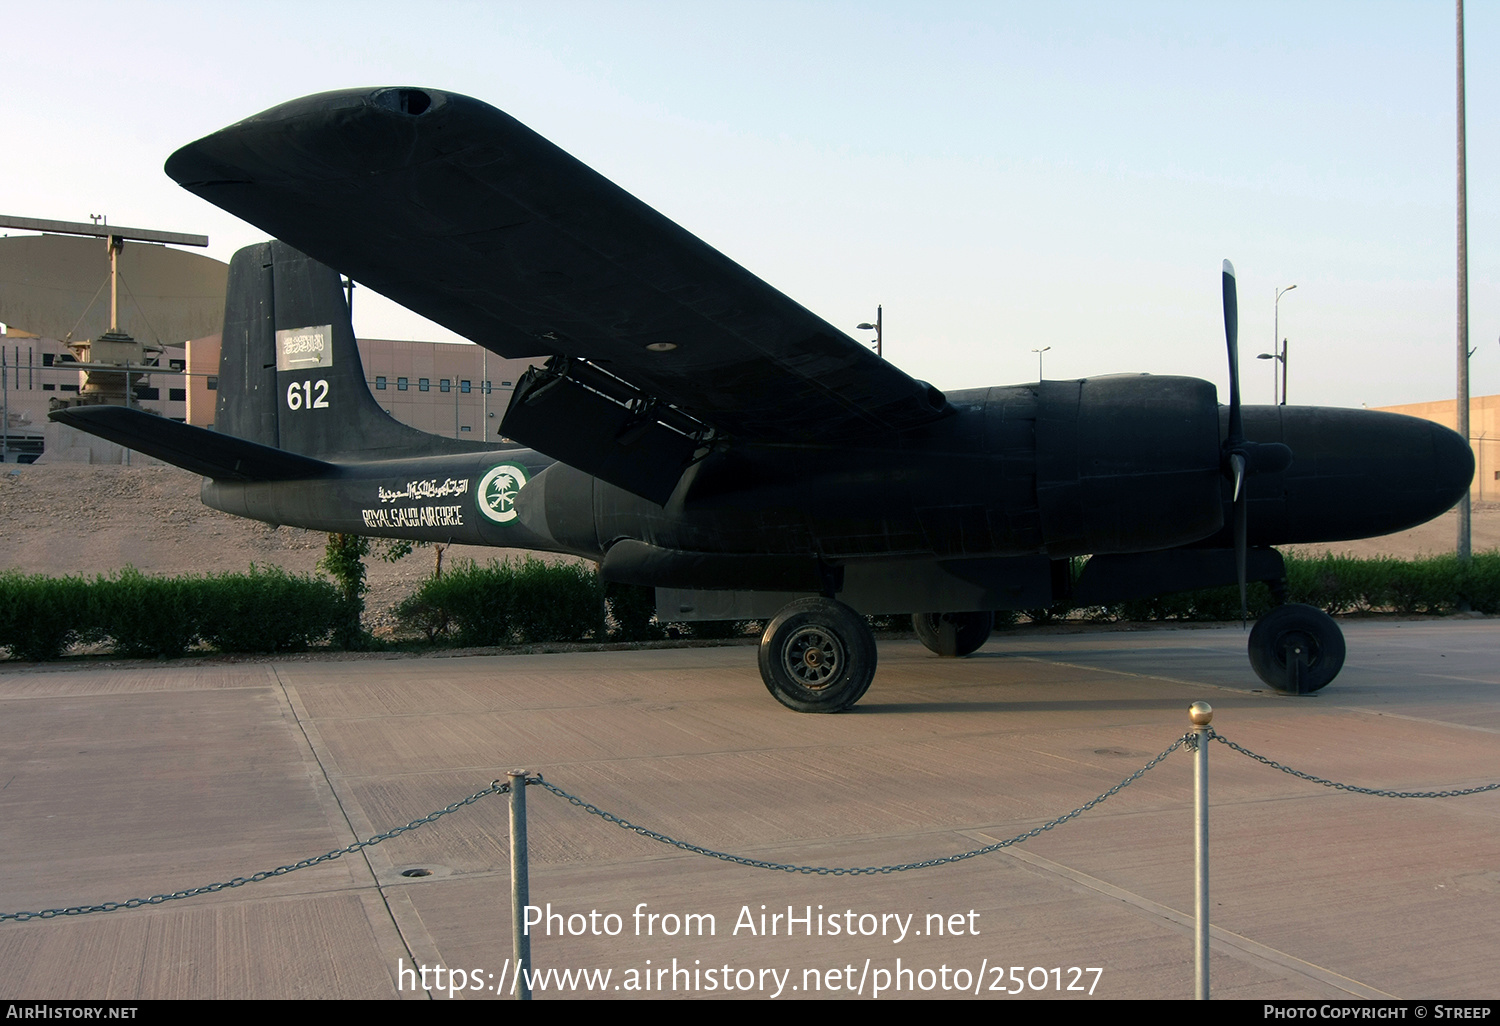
<point x="1356" y="474"/>
<point x="1452" y="465"/>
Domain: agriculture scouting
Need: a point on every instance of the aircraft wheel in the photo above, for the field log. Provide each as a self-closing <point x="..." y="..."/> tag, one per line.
<point x="1296" y="648"/>
<point x="953" y="634"/>
<point x="817" y="655"/>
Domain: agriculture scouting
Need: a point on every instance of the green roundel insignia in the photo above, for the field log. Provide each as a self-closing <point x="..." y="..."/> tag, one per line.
<point x="498" y="490"/>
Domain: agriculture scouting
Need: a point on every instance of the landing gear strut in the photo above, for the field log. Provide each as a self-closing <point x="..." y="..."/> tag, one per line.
<point x="953" y="634"/>
<point x="1296" y="648"/>
<point x="817" y="655"/>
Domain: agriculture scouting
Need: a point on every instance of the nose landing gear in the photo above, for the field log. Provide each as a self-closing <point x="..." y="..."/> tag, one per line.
<point x="1296" y="648"/>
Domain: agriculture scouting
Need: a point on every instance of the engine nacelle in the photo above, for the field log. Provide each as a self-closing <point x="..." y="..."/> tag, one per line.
<point x="1127" y="463"/>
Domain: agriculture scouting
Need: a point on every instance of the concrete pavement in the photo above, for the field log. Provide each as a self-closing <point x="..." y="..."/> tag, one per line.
<point x="142" y="778"/>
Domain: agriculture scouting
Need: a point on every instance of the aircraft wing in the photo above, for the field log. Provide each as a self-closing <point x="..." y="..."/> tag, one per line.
<point x="461" y="213"/>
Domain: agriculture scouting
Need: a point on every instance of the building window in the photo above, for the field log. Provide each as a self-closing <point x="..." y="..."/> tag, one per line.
<point x="53" y="388"/>
<point x="67" y="388"/>
<point x="463" y="386"/>
<point x="423" y="385"/>
<point x="505" y="384"/>
<point x="401" y="384"/>
<point x="213" y="382"/>
<point x="464" y="428"/>
<point x="443" y="386"/>
<point x="380" y="382"/>
<point x="485" y="388"/>
<point x="148" y="393"/>
<point x="47" y="359"/>
<point x="177" y="365"/>
<point x="177" y="395"/>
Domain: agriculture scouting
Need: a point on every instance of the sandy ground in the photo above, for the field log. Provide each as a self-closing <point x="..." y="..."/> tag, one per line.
<point x="68" y="519"/>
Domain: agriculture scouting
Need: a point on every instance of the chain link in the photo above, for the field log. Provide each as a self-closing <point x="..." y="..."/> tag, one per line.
<point x="496" y="787"/>
<point x="1346" y="787"/>
<point x="783" y="867"/>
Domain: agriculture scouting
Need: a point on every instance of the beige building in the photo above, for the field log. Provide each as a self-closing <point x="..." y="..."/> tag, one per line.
<point x="1484" y="436"/>
<point x="450" y="389"/>
<point x="35" y="370"/>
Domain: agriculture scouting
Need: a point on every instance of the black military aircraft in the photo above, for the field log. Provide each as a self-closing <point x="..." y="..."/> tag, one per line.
<point x="695" y="430"/>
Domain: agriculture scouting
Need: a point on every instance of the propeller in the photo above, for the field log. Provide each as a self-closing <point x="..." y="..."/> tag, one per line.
<point x="1241" y="457"/>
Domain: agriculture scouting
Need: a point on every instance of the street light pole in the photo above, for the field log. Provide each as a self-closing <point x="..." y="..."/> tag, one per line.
<point x="1275" y="358"/>
<point x="1039" y="353"/>
<point x="1278" y="344"/>
<point x="878" y="328"/>
<point x="1464" y="537"/>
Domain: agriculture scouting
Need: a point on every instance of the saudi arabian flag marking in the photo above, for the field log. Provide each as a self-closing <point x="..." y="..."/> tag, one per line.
<point x="498" y="490"/>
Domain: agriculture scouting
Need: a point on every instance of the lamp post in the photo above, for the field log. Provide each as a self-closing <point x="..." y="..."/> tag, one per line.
<point x="1275" y="373"/>
<point x="1461" y="405"/>
<point x="1276" y="334"/>
<point x="1039" y="353"/>
<point x="876" y="328"/>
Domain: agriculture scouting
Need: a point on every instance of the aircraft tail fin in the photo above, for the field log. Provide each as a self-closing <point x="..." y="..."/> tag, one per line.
<point x="290" y="375"/>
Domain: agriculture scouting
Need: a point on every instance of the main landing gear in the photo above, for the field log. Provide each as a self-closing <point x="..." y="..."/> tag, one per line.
<point x="817" y="655"/>
<point x="1296" y="648"/>
<point x="953" y="634"/>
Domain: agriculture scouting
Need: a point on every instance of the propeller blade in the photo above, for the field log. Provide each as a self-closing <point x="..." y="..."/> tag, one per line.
<point x="1232" y="338"/>
<point x="1234" y="446"/>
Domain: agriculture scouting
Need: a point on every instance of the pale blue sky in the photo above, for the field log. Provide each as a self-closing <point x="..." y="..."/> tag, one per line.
<point x="1001" y="176"/>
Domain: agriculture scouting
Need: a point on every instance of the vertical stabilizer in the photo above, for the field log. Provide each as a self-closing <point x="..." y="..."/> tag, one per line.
<point x="290" y="375"/>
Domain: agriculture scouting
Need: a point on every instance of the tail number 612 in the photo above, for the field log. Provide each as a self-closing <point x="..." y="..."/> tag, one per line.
<point x="312" y="394"/>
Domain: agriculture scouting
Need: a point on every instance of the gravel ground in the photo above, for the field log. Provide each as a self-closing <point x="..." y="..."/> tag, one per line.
<point x="61" y="519"/>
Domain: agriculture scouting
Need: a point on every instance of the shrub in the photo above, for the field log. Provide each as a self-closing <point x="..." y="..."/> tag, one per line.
<point x="344" y="561"/>
<point x="1480" y="584"/>
<point x="506" y="602"/>
<point x="145" y="616"/>
<point x="41" y="616"/>
<point x="632" y="607"/>
<point x="555" y="601"/>
<point x="267" y="610"/>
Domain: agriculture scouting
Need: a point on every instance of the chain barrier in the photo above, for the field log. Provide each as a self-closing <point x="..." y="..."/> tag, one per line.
<point x="1346" y="787"/>
<point x="1188" y="740"/>
<point x="496" y="787"/>
<point x="783" y="867"/>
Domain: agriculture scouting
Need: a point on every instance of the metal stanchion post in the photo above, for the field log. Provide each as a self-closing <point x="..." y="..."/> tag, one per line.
<point x="1201" y="713"/>
<point x="520" y="889"/>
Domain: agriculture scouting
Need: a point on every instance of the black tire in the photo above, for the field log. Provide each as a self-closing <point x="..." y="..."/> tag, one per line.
<point x="817" y="655"/>
<point x="953" y="634"/>
<point x="1296" y="648"/>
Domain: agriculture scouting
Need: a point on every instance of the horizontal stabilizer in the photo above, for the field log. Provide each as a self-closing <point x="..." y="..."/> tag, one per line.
<point x="210" y="453"/>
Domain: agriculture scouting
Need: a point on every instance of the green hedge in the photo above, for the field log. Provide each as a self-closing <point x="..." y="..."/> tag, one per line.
<point x="507" y="602"/>
<point x="41" y="616"/>
<point x="1336" y="584"/>
<point x="265" y="610"/>
<point x="270" y="610"/>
